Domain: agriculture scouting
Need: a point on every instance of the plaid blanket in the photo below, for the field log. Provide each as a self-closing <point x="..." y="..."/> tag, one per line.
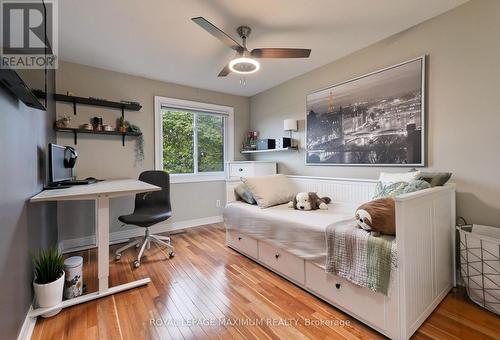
<point x="355" y="255"/>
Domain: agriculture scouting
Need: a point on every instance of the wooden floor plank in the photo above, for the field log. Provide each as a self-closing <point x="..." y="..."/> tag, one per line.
<point x="208" y="282"/>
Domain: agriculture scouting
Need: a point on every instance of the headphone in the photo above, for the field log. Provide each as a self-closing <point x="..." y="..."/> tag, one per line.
<point x="70" y="156"/>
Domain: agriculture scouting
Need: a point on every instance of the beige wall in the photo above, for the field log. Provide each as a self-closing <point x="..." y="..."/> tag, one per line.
<point x="463" y="76"/>
<point x="104" y="156"/>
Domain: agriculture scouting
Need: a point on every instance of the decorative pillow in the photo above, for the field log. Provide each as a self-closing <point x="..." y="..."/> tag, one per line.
<point x="242" y="192"/>
<point x="383" y="190"/>
<point x="390" y="177"/>
<point x="270" y="190"/>
<point x="435" y="178"/>
<point x="416" y="185"/>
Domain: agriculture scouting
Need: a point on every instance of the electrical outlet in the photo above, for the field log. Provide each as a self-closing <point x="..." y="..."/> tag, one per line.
<point x="217" y="203"/>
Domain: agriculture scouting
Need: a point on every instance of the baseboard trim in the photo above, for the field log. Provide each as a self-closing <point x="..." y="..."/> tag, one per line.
<point x="87" y="242"/>
<point x="28" y="326"/>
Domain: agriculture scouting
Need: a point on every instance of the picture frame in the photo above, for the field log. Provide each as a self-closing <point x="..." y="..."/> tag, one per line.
<point x="376" y="119"/>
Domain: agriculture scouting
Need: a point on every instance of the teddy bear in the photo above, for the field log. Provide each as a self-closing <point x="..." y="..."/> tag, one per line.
<point x="309" y="201"/>
<point x="377" y="216"/>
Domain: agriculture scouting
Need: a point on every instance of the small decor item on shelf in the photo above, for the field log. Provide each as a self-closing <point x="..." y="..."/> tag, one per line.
<point x="108" y="128"/>
<point x="283" y="142"/>
<point x="250" y="142"/>
<point x="69" y="93"/>
<point x="129" y="102"/>
<point x="87" y="126"/>
<point x="253" y="140"/>
<point x="96" y="98"/>
<point x="139" y="143"/>
<point x="49" y="279"/>
<point x="97" y="123"/>
<point x="73" y="285"/>
<point x="63" y="121"/>
<point x="122" y="125"/>
<point x="266" y="144"/>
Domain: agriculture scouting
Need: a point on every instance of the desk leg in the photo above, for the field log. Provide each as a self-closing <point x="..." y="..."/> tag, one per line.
<point x="102" y="230"/>
<point x="102" y="224"/>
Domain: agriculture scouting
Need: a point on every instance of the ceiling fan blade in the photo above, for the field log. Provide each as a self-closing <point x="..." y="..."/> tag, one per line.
<point x="219" y="34"/>
<point x="225" y="71"/>
<point x="281" y="53"/>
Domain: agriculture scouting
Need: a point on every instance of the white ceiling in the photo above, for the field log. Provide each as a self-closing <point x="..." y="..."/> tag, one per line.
<point x="156" y="38"/>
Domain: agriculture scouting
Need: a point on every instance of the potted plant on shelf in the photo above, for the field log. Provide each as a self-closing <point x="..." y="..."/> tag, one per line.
<point x="122" y="125"/>
<point x="63" y="121"/>
<point x="49" y="279"/>
<point x="139" y="144"/>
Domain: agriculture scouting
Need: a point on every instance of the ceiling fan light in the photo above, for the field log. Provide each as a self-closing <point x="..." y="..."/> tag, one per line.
<point x="244" y="65"/>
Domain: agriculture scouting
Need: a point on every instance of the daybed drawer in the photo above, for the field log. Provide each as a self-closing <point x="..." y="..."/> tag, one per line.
<point x="240" y="170"/>
<point x="358" y="300"/>
<point x="242" y="243"/>
<point x="282" y="261"/>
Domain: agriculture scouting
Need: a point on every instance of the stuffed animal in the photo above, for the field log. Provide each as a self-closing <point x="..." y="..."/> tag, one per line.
<point x="309" y="201"/>
<point x="377" y="216"/>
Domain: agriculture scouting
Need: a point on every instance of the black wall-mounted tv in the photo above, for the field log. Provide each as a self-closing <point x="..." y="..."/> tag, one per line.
<point x="21" y="82"/>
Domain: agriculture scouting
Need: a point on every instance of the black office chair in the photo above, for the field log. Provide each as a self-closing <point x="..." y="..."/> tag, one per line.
<point x="150" y="208"/>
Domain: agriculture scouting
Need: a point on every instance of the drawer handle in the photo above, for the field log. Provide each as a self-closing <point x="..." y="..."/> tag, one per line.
<point x="277" y="256"/>
<point x="337" y="285"/>
<point x="240" y="169"/>
<point x="239" y="238"/>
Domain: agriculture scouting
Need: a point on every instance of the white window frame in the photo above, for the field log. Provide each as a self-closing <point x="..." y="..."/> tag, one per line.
<point x="189" y="105"/>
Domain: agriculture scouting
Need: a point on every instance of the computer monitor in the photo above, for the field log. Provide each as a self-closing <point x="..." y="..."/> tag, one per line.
<point x="58" y="172"/>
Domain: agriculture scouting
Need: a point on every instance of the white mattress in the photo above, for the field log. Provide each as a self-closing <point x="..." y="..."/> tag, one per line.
<point x="301" y="233"/>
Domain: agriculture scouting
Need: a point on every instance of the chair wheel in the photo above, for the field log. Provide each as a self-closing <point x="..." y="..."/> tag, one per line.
<point x="171" y="254"/>
<point x="137" y="245"/>
<point x="118" y="257"/>
<point x="136" y="264"/>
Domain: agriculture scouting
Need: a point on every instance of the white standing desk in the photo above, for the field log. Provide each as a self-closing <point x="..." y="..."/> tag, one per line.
<point x="100" y="192"/>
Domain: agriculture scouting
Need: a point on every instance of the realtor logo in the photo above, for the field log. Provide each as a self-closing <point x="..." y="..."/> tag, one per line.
<point x="28" y="34"/>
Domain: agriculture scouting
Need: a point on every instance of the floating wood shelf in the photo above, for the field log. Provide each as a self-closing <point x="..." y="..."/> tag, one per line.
<point x="294" y="148"/>
<point x="76" y="131"/>
<point x="91" y="101"/>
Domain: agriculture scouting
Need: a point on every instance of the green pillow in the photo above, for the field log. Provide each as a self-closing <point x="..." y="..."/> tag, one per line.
<point x="383" y="190"/>
<point x="242" y="192"/>
<point x="435" y="178"/>
<point x="416" y="185"/>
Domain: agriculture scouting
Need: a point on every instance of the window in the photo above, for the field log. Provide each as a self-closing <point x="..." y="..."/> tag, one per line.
<point x="193" y="140"/>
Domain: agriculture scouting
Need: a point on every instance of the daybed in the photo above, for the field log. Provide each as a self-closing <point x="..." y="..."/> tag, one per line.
<point x="292" y="244"/>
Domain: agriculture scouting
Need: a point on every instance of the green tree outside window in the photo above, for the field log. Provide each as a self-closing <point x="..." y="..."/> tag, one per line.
<point x="179" y="132"/>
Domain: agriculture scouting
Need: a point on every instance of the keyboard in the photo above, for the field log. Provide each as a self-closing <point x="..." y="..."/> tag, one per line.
<point x="79" y="182"/>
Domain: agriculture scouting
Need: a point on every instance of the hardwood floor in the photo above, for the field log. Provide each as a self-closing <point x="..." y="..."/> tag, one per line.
<point x="207" y="282"/>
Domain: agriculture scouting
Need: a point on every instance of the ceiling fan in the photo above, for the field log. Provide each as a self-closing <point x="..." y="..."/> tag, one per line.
<point x="245" y="61"/>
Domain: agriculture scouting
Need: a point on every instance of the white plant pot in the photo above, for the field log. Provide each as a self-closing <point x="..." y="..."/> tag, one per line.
<point x="49" y="295"/>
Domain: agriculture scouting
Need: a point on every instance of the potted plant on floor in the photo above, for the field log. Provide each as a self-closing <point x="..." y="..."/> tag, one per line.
<point x="49" y="279"/>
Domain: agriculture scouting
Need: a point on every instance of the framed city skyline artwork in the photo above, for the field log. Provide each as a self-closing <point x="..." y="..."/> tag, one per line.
<point x="376" y="119"/>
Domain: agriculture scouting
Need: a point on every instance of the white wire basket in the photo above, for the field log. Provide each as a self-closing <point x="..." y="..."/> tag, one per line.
<point x="480" y="264"/>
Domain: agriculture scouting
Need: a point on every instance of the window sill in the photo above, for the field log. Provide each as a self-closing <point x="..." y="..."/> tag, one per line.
<point x="174" y="179"/>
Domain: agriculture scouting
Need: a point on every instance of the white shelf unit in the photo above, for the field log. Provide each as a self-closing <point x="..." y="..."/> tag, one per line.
<point x="270" y="150"/>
